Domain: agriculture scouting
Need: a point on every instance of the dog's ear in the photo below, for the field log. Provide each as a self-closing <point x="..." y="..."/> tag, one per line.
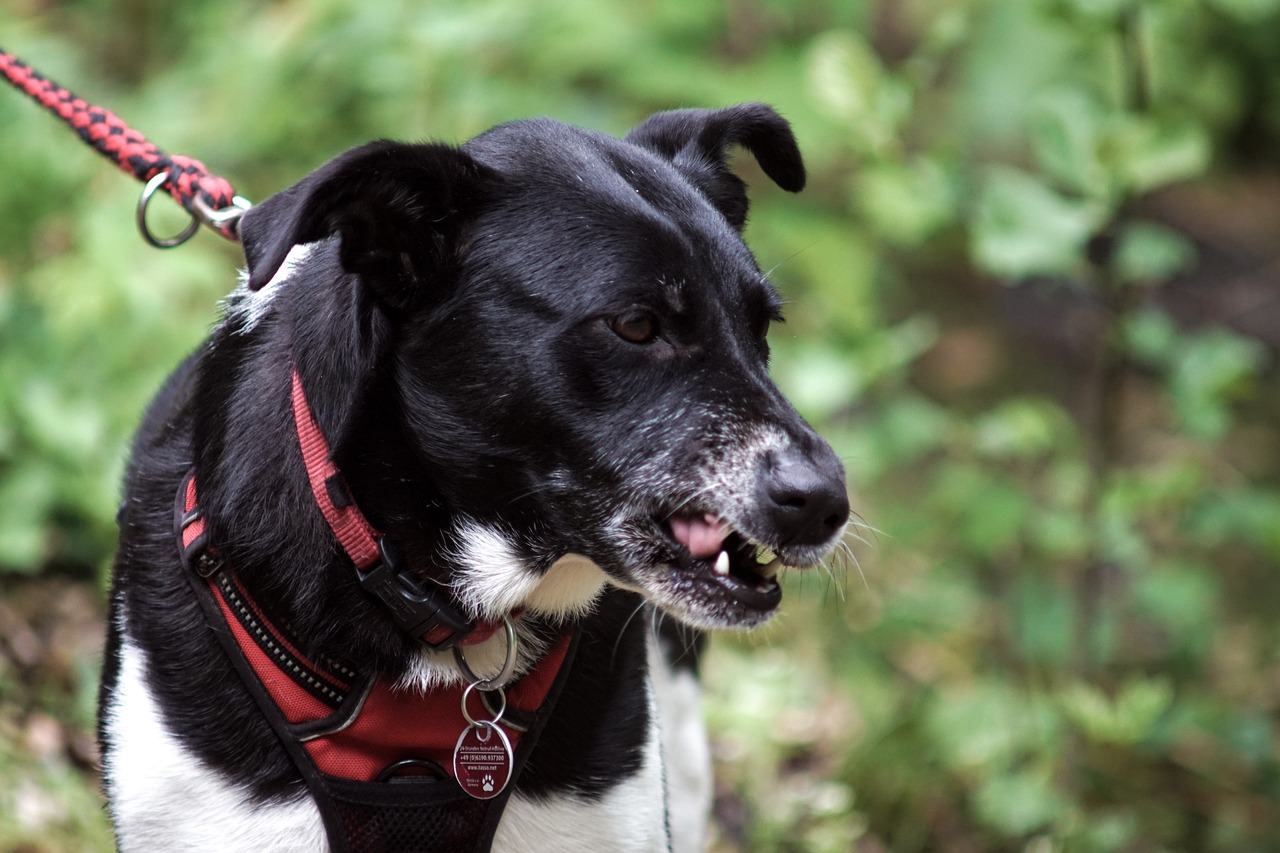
<point x="697" y="141"/>
<point x="393" y="205"/>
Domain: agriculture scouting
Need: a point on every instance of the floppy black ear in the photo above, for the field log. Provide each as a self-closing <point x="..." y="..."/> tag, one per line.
<point x="393" y="205"/>
<point x="697" y="141"/>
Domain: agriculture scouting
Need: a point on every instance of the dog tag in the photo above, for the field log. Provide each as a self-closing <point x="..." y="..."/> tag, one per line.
<point x="482" y="760"/>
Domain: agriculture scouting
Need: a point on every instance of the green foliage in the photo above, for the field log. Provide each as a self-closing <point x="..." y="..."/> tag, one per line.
<point x="1062" y="635"/>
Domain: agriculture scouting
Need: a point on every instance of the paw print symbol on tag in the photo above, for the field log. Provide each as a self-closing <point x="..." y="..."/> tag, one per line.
<point x="486" y="784"/>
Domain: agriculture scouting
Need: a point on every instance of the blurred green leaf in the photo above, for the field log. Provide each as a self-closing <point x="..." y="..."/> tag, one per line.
<point x="1151" y="254"/>
<point x="1020" y="802"/>
<point x="906" y="203"/>
<point x="1152" y="336"/>
<point x="1150" y="152"/>
<point x="1245" y="514"/>
<point x="1181" y="597"/>
<point x="1023" y="427"/>
<point x="988" y="509"/>
<point x="1211" y="371"/>
<point x="1247" y="11"/>
<point x="820" y="381"/>
<point x="1105" y="10"/>
<point x="1066" y="134"/>
<point x="849" y="82"/>
<point x="1023" y="228"/>
<point x="910" y="427"/>
<point x="990" y="727"/>
<point x="1044" y="621"/>
<point x="1125" y="719"/>
<point x="28" y="492"/>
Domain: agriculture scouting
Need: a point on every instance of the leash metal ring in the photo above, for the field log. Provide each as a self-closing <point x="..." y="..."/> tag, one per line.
<point x="144" y="201"/>
<point x="508" y="665"/>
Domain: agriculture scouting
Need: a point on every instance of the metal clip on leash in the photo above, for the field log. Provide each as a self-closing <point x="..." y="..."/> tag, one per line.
<point x="223" y="221"/>
<point x="208" y="198"/>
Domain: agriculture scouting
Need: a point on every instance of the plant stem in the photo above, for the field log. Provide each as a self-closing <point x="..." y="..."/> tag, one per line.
<point x="1119" y="300"/>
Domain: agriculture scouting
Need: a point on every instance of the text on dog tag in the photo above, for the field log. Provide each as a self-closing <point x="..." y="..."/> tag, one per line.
<point x="482" y="760"/>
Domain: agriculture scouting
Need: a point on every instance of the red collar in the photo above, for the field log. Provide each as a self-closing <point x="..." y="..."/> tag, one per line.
<point x="424" y="611"/>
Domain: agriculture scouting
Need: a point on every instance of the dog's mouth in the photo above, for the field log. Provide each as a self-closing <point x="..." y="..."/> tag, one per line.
<point x="707" y="549"/>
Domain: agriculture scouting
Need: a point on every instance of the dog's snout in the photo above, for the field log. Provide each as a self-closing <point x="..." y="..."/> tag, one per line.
<point x="803" y="495"/>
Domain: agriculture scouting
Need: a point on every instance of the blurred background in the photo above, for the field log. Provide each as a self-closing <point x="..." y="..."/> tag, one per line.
<point x="1033" y="300"/>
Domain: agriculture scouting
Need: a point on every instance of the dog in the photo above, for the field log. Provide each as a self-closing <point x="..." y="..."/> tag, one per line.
<point x="531" y="372"/>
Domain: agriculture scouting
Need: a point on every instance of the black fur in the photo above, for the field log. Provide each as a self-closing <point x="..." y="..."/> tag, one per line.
<point x="454" y="329"/>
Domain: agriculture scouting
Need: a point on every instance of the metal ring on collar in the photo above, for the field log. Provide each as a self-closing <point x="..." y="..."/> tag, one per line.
<point x="508" y="665"/>
<point x="497" y="715"/>
<point x="144" y="200"/>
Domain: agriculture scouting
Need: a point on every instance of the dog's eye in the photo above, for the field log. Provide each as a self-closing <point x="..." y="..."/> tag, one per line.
<point x="636" y="326"/>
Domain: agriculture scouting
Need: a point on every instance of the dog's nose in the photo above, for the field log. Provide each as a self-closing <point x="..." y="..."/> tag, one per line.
<point x="803" y="495"/>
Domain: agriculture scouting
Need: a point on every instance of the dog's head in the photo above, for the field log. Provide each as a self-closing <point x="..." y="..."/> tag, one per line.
<point x="567" y="335"/>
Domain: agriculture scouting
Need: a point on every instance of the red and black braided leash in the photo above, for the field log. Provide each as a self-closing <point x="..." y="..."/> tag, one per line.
<point x="209" y="199"/>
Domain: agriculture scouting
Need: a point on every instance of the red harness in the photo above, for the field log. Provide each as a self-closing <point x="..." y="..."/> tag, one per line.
<point x="350" y="734"/>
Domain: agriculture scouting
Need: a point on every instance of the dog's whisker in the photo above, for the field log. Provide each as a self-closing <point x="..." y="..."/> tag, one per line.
<point x="860" y="523"/>
<point x="797" y="253"/>
<point x="833" y="582"/>
<point x="847" y="552"/>
<point x="530" y="492"/>
<point x="849" y="534"/>
<point x="688" y="637"/>
<point x="623" y="632"/>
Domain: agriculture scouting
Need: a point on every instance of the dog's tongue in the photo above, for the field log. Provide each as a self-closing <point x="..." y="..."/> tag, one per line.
<point x="702" y="536"/>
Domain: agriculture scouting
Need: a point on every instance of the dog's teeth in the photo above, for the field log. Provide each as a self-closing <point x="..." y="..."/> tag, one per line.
<point x="764" y="556"/>
<point x="722" y="563"/>
<point x="770" y="570"/>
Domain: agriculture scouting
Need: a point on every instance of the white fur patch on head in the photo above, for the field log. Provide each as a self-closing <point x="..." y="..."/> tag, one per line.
<point x="245" y="308"/>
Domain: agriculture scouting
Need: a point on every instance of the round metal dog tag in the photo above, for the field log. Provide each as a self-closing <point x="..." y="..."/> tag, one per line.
<point x="482" y="760"/>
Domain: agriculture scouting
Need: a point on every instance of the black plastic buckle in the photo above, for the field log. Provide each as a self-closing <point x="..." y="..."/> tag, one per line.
<point x="415" y="608"/>
<point x="199" y="555"/>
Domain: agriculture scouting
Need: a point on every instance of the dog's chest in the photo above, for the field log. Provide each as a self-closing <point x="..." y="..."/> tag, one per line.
<point x="174" y="800"/>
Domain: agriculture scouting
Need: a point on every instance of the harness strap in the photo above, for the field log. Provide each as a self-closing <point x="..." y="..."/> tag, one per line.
<point x="208" y="198"/>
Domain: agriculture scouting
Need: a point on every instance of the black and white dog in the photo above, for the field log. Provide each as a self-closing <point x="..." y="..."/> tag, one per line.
<point x="539" y="363"/>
